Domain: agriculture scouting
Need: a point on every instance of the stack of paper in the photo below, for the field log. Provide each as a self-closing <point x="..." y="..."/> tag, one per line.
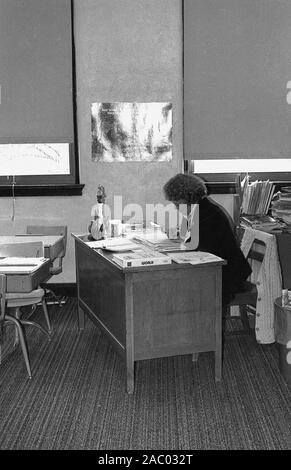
<point x="141" y="257"/>
<point x="281" y="206"/>
<point x="195" y="257"/>
<point x="264" y="222"/>
<point x="158" y="241"/>
<point x="114" y="244"/>
<point x="256" y="196"/>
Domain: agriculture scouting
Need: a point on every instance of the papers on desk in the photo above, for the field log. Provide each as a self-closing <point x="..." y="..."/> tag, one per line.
<point x="195" y="257"/>
<point x="168" y="245"/>
<point x="158" y="241"/>
<point x="114" y="244"/>
<point x="150" y="238"/>
<point x="19" y="265"/>
<point x="141" y="257"/>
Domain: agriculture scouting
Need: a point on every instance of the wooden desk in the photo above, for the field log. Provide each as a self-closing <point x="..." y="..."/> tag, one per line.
<point x="53" y="244"/>
<point x="151" y="312"/>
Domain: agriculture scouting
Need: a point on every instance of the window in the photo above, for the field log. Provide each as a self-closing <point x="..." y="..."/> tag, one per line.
<point x="37" y="97"/>
<point x="237" y="101"/>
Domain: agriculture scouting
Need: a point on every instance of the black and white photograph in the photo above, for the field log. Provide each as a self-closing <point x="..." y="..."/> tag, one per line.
<point x="145" y="230"/>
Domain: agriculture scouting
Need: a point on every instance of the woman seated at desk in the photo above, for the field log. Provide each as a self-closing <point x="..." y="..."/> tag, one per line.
<point x="216" y="235"/>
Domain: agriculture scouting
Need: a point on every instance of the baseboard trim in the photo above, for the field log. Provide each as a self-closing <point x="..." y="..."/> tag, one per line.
<point x="63" y="289"/>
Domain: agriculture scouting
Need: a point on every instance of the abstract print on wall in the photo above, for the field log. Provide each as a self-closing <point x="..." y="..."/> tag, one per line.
<point x="131" y="132"/>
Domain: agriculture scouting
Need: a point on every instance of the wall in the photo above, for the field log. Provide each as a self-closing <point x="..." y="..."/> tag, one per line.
<point x="129" y="51"/>
<point x="126" y="50"/>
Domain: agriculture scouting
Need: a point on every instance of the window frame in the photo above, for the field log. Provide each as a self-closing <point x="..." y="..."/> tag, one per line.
<point x="224" y="183"/>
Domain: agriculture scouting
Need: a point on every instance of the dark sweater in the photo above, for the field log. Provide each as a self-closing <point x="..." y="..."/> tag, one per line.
<point x="216" y="236"/>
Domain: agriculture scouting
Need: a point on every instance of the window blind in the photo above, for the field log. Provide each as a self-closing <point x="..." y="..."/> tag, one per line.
<point x="237" y="58"/>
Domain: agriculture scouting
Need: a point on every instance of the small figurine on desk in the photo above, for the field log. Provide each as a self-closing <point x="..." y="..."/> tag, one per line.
<point x="97" y="224"/>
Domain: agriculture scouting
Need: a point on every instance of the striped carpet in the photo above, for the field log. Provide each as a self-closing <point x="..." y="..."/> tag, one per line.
<point x="76" y="398"/>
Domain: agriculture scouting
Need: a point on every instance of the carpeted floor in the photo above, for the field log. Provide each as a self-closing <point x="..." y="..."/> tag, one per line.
<point x="76" y="398"/>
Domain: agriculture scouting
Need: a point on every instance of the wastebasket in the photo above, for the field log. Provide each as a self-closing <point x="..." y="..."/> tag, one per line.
<point x="282" y="326"/>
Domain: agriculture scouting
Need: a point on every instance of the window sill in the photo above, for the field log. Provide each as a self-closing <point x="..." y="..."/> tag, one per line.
<point x="217" y="187"/>
<point x="42" y="190"/>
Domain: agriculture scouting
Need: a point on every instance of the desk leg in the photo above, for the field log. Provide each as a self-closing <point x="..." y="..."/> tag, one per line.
<point x="218" y="366"/>
<point x="218" y="330"/>
<point x="129" y="378"/>
<point x="81" y="318"/>
<point x="129" y="334"/>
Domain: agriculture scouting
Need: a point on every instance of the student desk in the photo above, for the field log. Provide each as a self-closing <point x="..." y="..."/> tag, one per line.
<point x="26" y="281"/>
<point x="53" y="244"/>
<point x="150" y="312"/>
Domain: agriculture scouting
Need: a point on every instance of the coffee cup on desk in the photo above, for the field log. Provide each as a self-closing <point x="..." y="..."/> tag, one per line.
<point x="115" y="228"/>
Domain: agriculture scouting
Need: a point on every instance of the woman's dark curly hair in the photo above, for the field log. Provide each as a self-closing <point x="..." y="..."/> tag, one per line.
<point x="187" y="188"/>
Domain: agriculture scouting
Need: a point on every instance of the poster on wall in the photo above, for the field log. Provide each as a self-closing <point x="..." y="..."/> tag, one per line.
<point x="131" y="132"/>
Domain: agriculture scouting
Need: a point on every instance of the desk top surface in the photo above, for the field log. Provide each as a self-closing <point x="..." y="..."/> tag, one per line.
<point x="108" y="256"/>
<point x="10" y="265"/>
<point x="48" y="240"/>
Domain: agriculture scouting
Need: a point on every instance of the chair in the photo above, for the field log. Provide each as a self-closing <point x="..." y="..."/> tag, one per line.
<point x="31" y="250"/>
<point x="247" y="299"/>
<point x="15" y="301"/>
<point x="56" y="266"/>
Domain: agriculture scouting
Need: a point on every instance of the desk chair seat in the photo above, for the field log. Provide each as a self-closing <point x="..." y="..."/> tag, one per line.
<point x="247" y="299"/>
<point x="14" y="302"/>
